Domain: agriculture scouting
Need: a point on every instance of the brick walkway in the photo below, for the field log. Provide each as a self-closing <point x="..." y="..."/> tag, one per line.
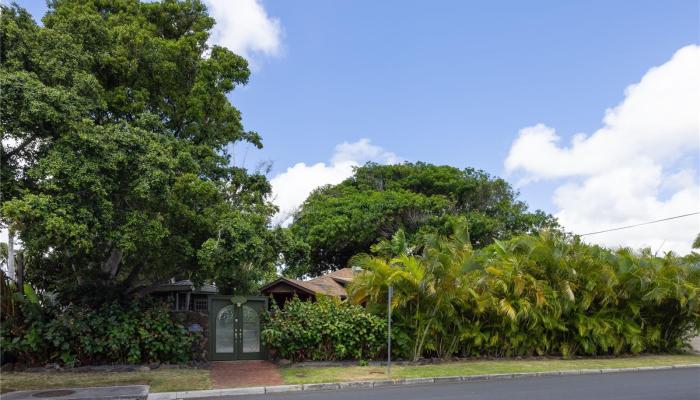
<point x="231" y="374"/>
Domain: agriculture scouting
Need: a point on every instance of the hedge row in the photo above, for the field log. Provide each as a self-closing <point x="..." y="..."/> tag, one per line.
<point x="136" y="333"/>
<point x="324" y="330"/>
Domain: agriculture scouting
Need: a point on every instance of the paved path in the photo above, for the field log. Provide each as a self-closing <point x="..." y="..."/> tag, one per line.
<point x="232" y="374"/>
<point x="132" y="392"/>
<point x="680" y="384"/>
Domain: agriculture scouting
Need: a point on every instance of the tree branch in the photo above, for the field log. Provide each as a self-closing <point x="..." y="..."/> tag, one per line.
<point x="21" y="147"/>
<point x="132" y="275"/>
<point x="111" y="266"/>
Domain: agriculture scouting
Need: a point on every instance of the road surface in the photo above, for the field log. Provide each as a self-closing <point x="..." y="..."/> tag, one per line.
<point x="679" y="384"/>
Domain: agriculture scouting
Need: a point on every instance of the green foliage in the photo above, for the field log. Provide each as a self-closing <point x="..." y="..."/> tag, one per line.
<point x="532" y="295"/>
<point x="115" y="169"/>
<point x="324" y="330"/>
<point x="340" y="221"/>
<point x="76" y="335"/>
<point x="243" y="254"/>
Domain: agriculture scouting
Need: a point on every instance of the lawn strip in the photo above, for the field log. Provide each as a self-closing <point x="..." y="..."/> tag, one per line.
<point x="296" y="375"/>
<point x="164" y="380"/>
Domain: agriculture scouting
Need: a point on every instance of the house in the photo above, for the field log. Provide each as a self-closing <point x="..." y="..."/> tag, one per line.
<point x="231" y="324"/>
<point x="184" y="296"/>
<point x="333" y="284"/>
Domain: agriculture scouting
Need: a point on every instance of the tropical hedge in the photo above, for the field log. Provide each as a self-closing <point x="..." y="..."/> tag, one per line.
<point x="547" y="294"/>
<point x="37" y="332"/>
<point x="324" y="330"/>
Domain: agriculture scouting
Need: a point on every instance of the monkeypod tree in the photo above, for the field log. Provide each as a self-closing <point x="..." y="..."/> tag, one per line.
<point x="340" y="221"/>
<point x="115" y="125"/>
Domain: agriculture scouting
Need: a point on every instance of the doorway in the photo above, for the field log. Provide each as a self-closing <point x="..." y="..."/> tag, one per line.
<point x="234" y="327"/>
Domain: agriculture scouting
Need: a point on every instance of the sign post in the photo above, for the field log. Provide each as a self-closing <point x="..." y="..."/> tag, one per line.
<point x="388" y="353"/>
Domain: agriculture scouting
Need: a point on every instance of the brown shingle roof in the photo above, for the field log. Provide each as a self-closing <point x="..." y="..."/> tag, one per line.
<point x="344" y="275"/>
<point x="328" y="286"/>
<point x="332" y="284"/>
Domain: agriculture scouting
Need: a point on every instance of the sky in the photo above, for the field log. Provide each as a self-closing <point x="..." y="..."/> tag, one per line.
<point x="591" y="109"/>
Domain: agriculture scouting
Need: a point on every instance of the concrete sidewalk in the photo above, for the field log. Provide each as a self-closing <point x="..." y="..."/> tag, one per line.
<point x="131" y="392"/>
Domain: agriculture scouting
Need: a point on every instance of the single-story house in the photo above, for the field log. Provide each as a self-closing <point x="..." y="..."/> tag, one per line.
<point x="232" y="323"/>
<point x="184" y="296"/>
<point x="333" y="284"/>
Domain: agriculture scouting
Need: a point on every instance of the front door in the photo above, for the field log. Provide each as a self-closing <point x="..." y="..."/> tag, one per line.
<point x="235" y="327"/>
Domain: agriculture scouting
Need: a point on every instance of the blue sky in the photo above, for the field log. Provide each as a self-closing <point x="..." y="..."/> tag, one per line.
<point x="450" y="82"/>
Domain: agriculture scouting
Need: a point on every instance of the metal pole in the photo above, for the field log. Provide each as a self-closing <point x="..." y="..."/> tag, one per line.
<point x="388" y="353"/>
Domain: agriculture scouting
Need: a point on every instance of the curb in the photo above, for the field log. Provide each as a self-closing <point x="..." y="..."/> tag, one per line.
<point x="313" y="387"/>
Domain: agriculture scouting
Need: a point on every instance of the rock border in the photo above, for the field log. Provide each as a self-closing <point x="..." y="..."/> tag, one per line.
<point x="309" y="387"/>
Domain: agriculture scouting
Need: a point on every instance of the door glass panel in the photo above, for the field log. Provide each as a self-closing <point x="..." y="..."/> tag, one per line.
<point x="251" y="330"/>
<point x="224" y="329"/>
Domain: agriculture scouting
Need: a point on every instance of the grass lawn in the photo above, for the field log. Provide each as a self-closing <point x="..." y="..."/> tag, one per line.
<point x="161" y="380"/>
<point x="171" y="380"/>
<point x="294" y="375"/>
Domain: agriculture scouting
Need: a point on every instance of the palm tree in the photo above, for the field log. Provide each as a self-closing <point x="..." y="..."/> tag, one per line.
<point x="428" y="287"/>
<point x="539" y="294"/>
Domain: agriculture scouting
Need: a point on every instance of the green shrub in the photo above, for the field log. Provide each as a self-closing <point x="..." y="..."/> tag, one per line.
<point x="324" y="330"/>
<point x="137" y="333"/>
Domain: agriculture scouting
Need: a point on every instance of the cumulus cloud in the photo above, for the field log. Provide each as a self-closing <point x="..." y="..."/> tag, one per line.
<point x="244" y="27"/>
<point x="292" y="187"/>
<point x="635" y="168"/>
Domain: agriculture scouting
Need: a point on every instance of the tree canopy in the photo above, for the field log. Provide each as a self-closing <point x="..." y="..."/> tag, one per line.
<point x="337" y="222"/>
<point x="115" y="172"/>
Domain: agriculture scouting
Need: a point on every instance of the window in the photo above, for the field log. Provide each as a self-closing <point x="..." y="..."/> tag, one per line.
<point x="251" y="330"/>
<point x="200" y="304"/>
<point x="182" y="302"/>
<point x="224" y="329"/>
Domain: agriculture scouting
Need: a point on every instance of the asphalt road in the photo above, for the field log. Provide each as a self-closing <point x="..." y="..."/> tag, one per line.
<point x="652" y="385"/>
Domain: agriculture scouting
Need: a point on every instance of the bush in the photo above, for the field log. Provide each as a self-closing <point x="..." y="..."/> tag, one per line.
<point x="324" y="330"/>
<point x="75" y="335"/>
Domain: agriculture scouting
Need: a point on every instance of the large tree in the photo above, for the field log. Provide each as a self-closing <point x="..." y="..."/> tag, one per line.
<point x="337" y="222"/>
<point x="115" y="174"/>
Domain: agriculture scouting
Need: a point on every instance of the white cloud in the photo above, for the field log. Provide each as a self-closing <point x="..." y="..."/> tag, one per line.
<point x="632" y="169"/>
<point x="244" y="27"/>
<point x="292" y="187"/>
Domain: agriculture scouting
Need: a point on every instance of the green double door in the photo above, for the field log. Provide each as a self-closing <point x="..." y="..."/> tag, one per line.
<point x="234" y="332"/>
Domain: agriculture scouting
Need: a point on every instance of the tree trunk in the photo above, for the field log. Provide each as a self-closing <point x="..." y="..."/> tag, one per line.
<point x="421" y="340"/>
<point x="111" y="266"/>
<point x="20" y="274"/>
<point x="11" y="255"/>
<point x="129" y="282"/>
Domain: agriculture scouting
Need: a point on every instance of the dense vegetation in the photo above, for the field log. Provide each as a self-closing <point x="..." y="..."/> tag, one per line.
<point x="114" y="165"/>
<point x="116" y="177"/>
<point x="337" y="222"/>
<point x="324" y="330"/>
<point x="35" y="331"/>
<point x="530" y="295"/>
